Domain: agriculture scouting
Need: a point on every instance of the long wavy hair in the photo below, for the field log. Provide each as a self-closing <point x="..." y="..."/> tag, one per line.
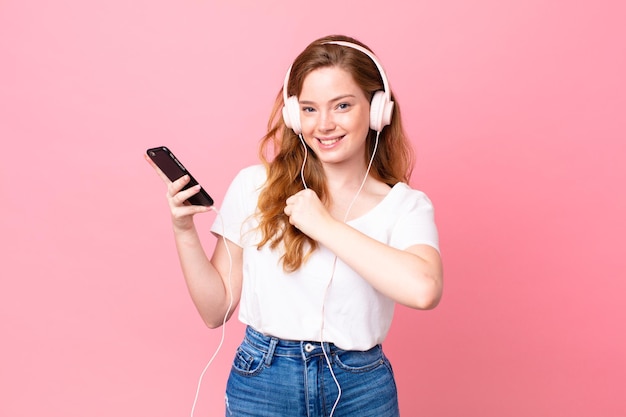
<point x="282" y="152"/>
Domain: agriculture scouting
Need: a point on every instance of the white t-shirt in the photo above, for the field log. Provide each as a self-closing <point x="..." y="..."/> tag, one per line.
<point x="289" y="305"/>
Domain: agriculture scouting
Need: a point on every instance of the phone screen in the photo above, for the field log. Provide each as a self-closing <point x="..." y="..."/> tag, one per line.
<point x="173" y="169"/>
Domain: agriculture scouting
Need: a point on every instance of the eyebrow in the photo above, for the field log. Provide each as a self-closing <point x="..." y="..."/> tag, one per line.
<point x="339" y="98"/>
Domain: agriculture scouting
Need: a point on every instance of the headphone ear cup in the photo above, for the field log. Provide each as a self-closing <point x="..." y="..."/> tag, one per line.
<point x="291" y="114"/>
<point x="380" y="111"/>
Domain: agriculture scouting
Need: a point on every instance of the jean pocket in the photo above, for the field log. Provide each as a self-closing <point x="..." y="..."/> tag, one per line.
<point x="357" y="361"/>
<point x="248" y="360"/>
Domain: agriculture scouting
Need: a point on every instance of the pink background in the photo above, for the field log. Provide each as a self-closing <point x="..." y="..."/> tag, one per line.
<point x="517" y="110"/>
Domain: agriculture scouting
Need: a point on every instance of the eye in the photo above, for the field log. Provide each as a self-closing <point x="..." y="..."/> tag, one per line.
<point x="343" y="106"/>
<point x="308" y="109"/>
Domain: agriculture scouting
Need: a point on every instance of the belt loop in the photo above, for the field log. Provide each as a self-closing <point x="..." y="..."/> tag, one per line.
<point x="270" y="351"/>
<point x="330" y="351"/>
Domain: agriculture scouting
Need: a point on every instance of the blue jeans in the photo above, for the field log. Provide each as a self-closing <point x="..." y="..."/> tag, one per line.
<point x="271" y="377"/>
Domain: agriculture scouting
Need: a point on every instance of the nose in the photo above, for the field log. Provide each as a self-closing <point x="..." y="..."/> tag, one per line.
<point x="326" y="121"/>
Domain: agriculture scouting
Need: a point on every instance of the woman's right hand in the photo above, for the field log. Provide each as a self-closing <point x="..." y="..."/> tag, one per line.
<point x="182" y="212"/>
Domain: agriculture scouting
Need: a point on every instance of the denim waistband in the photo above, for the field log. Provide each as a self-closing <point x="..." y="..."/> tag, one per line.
<point x="280" y="347"/>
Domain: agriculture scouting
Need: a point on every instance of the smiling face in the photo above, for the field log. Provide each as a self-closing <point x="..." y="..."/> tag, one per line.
<point x="334" y="114"/>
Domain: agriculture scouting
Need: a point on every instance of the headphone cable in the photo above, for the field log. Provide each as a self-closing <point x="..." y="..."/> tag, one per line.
<point x="230" y="306"/>
<point x="345" y="220"/>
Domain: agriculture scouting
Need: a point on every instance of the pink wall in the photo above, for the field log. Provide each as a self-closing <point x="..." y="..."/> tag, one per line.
<point x="517" y="111"/>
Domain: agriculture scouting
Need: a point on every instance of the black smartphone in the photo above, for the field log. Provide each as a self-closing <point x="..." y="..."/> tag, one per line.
<point x="173" y="169"/>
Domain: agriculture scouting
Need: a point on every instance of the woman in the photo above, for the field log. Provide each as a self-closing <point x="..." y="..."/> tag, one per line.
<point x="320" y="242"/>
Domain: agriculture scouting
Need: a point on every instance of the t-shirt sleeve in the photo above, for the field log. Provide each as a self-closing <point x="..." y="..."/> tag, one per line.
<point x="416" y="223"/>
<point x="237" y="210"/>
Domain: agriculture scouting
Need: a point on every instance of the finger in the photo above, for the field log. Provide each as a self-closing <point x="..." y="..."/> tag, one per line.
<point x="182" y="196"/>
<point x="304" y="191"/>
<point x="180" y="212"/>
<point x="293" y="199"/>
<point x="174" y="187"/>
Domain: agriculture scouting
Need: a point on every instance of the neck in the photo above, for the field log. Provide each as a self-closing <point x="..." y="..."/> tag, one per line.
<point x="344" y="181"/>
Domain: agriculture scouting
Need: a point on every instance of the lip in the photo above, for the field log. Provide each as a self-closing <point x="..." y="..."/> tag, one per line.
<point x="329" y="142"/>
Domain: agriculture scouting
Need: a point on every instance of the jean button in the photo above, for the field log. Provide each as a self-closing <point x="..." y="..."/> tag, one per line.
<point x="309" y="347"/>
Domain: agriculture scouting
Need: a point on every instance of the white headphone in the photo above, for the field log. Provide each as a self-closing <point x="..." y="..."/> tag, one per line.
<point x="381" y="106"/>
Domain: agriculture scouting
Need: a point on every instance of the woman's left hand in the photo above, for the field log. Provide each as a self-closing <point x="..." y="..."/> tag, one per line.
<point x="308" y="214"/>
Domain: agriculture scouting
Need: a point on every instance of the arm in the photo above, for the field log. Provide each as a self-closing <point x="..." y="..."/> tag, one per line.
<point x="214" y="287"/>
<point x="208" y="282"/>
<point x="412" y="277"/>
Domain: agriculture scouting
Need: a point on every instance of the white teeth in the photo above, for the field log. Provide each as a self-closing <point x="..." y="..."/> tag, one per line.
<point x="329" y="141"/>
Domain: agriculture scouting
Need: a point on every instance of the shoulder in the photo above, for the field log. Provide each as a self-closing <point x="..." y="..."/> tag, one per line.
<point x="246" y="184"/>
<point x="414" y="221"/>
<point x="409" y="198"/>
<point x="251" y="177"/>
<point x="253" y="172"/>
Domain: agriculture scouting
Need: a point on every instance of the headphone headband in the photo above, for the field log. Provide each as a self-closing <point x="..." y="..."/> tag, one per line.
<point x="372" y="57"/>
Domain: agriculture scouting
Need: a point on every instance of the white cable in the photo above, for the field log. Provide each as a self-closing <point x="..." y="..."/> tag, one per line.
<point x="230" y="306"/>
<point x="345" y="219"/>
<point x="330" y="368"/>
<point x="306" y="152"/>
<point x="230" y="288"/>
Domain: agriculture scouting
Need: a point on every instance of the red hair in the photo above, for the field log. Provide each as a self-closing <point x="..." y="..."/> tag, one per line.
<point x="282" y="153"/>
